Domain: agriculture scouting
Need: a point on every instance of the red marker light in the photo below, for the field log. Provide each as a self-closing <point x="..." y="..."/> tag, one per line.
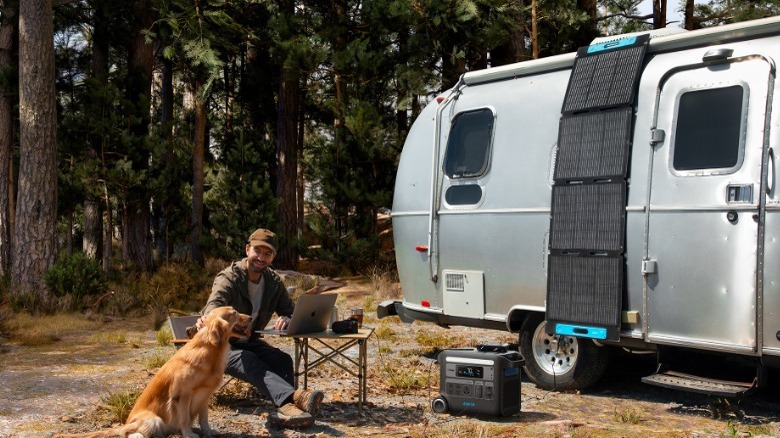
<point x="421" y="248"/>
<point x="440" y="99"/>
<point x="425" y="303"/>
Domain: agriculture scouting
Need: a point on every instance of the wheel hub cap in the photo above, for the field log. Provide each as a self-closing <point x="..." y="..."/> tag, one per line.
<point x="555" y="354"/>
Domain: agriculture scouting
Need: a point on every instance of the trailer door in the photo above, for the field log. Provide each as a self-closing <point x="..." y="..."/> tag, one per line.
<point x="703" y="216"/>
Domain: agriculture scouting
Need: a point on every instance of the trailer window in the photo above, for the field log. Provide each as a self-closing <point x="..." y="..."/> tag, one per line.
<point x="709" y="124"/>
<point x="468" y="146"/>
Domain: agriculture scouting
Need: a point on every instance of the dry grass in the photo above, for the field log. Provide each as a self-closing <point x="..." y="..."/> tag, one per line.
<point x="468" y="428"/>
<point x="403" y="378"/>
<point x="384" y="284"/>
<point x="38" y="330"/>
<point x="157" y="358"/>
<point x="119" y="404"/>
<point x="164" y="335"/>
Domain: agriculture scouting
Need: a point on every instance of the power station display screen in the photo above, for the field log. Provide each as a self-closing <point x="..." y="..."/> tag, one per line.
<point x="469" y="371"/>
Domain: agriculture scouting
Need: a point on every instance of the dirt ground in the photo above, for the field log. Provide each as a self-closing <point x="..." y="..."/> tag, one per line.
<point x="64" y="387"/>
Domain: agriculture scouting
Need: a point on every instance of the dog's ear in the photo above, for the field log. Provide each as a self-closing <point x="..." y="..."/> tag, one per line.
<point x="218" y="331"/>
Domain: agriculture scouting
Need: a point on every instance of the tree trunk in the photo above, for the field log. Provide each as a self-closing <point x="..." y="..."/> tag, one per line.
<point x="589" y="29"/>
<point x="7" y="15"/>
<point x="91" y="245"/>
<point x="136" y="237"/>
<point x="108" y="232"/>
<point x="659" y="14"/>
<point x="339" y="16"/>
<point x="287" y="156"/>
<point x="689" y="14"/>
<point x="197" y="173"/>
<point x="301" y="186"/>
<point x="35" y="233"/>
<point x="534" y="30"/>
<point x="514" y="50"/>
<point x="69" y="233"/>
<point x="166" y="122"/>
<point x="287" y="159"/>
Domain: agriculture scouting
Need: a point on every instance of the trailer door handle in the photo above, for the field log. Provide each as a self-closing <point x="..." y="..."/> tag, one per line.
<point x="770" y="173"/>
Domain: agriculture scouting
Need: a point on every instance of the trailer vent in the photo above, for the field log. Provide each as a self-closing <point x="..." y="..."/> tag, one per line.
<point x="454" y="282"/>
<point x="464" y="294"/>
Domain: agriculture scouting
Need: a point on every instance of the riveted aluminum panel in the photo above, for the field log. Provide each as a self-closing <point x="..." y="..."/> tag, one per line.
<point x="705" y="291"/>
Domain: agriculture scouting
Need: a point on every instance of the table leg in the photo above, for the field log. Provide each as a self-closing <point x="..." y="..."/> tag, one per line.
<point x="363" y="370"/>
<point x="297" y="359"/>
<point x="305" y="342"/>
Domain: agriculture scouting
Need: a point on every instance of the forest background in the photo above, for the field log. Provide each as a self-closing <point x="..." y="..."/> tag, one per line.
<point x="136" y="135"/>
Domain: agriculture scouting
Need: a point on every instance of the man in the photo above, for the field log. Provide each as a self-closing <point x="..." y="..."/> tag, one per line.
<point x="253" y="288"/>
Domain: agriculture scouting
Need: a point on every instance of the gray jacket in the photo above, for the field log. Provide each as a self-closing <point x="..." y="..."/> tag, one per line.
<point x="231" y="289"/>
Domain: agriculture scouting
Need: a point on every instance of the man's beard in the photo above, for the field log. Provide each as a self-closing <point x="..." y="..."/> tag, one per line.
<point x="256" y="267"/>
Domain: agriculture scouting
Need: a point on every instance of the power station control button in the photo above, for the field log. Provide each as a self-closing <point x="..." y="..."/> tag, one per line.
<point x="478" y="391"/>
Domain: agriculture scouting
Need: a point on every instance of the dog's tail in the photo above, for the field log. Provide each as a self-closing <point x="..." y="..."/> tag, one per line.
<point x="98" y="434"/>
<point x="145" y="423"/>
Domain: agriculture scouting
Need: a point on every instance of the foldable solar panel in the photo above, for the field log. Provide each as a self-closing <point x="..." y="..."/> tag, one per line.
<point x="588" y="218"/>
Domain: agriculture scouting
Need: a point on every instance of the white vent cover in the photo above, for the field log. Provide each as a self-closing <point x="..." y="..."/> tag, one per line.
<point x="464" y="294"/>
<point x="454" y="281"/>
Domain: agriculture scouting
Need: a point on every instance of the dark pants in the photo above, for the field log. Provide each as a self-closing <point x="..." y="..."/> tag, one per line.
<point x="265" y="367"/>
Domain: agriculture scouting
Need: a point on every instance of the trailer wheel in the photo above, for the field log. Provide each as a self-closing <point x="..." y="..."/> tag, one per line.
<point x="556" y="362"/>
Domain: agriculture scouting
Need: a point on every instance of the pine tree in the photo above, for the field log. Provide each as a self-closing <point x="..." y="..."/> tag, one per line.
<point x="35" y="233"/>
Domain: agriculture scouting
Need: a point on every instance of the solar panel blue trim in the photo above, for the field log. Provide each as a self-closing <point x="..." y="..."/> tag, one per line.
<point x="605" y="78"/>
<point x="612" y="45"/>
<point x="581" y="331"/>
<point x="594" y="145"/>
<point x="585" y="291"/>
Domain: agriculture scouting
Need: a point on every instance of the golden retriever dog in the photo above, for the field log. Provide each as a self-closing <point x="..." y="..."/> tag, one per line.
<point x="182" y="387"/>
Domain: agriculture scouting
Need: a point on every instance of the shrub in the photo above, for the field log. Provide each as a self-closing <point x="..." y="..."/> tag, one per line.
<point x="78" y="276"/>
<point x="119" y="404"/>
<point x="177" y="285"/>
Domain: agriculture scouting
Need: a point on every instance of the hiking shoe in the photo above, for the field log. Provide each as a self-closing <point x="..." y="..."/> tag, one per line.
<point x="288" y="415"/>
<point x="308" y="401"/>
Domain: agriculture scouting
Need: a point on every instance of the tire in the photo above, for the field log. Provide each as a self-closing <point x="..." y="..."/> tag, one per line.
<point x="561" y="363"/>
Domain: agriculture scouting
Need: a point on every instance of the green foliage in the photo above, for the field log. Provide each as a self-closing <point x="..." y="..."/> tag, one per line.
<point x="240" y="198"/>
<point x="718" y="12"/>
<point x="177" y="285"/>
<point x="164" y="335"/>
<point x="631" y="416"/>
<point x="119" y="404"/>
<point x="361" y="70"/>
<point x="157" y="359"/>
<point x="77" y="275"/>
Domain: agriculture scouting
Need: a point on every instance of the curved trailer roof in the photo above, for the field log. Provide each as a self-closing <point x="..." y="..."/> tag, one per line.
<point x="661" y="40"/>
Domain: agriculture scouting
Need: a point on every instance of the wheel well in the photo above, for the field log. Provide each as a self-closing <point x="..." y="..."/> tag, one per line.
<point x="515" y="318"/>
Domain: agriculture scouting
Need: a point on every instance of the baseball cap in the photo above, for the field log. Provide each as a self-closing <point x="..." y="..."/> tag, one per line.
<point x="263" y="237"/>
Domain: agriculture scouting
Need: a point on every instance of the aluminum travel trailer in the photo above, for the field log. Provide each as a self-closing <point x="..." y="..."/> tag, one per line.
<point x="624" y="195"/>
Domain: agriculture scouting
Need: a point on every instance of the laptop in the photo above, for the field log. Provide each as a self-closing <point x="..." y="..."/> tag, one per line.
<point x="311" y="315"/>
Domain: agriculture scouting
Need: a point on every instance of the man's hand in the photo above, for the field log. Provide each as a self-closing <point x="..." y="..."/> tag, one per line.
<point x="282" y="323"/>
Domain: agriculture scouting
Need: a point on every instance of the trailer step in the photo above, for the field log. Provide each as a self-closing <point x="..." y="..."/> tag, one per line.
<point x="698" y="384"/>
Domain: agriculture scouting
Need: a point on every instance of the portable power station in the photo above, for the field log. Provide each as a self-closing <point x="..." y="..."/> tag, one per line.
<point x="482" y="380"/>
